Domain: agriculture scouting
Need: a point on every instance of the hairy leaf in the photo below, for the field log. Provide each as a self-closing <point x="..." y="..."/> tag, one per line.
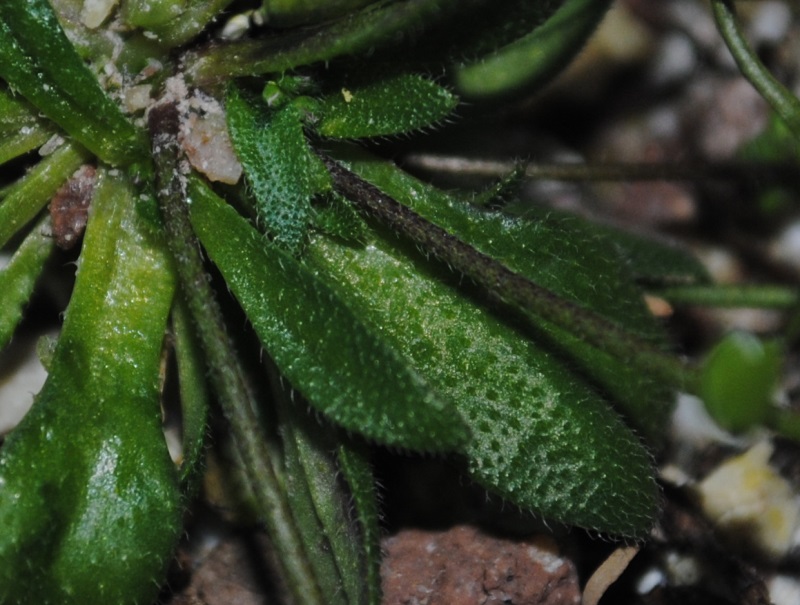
<point x="18" y="278"/>
<point x="568" y="257"/>
<point x="321" y="502"/>
<point x="540" y="437"/>
<point x="356" y="472"/>
<point x="195" y="397"/>
<point x="25" y="198"/>
<point x="393" y="105"/>
<point x="21" y="130"/>
<point x="338" y="363"/>
<point x="281" y="169"/>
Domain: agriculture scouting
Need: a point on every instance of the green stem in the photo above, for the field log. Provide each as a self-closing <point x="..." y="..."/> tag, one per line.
<point x="785" y="104"/>
<point x="227" y="376"/>
<point x="533" y="301"/>
<point x="752" y="296"/>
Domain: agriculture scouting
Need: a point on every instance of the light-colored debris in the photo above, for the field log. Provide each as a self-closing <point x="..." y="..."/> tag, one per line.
<point x="94" y="12"/>
<point x="744" y="497"/>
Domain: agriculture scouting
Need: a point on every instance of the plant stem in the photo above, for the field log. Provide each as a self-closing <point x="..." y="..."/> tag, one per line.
<point x="501" y="283"/>
<point x="754" y="296"/>
<point x="634" y="171"/>
<point x="785" y="104"/>
<point x="227" y="376"/>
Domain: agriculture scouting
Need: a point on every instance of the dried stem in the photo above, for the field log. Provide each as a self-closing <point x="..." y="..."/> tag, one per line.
<point x="622" y="171"/>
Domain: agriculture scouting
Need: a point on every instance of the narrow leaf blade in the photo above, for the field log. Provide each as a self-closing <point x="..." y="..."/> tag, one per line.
<point x="393" y="105"/>
<point x="18" y="278"/>
<point x="280" y="167"/>
<point x="38" y="60"/>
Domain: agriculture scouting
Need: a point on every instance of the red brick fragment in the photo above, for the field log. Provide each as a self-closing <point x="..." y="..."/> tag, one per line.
<point x="466" y="566"/>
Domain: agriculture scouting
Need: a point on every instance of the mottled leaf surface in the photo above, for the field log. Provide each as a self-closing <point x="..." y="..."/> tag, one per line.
<point x="567" y="256"/>
<point x="540" y="437"/>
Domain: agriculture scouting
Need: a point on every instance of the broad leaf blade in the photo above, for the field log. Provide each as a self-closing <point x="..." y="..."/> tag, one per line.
<point x="325" y="350"/>
<point x="540" y="437"/>
<point x="568" y="257"/>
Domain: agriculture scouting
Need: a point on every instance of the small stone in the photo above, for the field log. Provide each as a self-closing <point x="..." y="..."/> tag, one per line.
<point x="94" y="12"/>
<point x="466" y="566"/>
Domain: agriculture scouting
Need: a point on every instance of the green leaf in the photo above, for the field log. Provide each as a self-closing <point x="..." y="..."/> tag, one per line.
<point x="20" y="129"/>
<point x="338" y="363"/>
<point x="321" y="502"/>
<point x="194" y="397"/>
<point x="18" y="278"/>
<point x="651" y="260"/>
<point x="738" y="380"/>
<point x="337" y="217"/>
<point x="358" y="32"/>
<point x="394" y="105"/>
<point x="287" y="13"/>
<point x="355" y="469"/>
<point x="540" y="437"/>
<point x="38" y="61"/>
<point x="151" y="13"/>
<point x="281" y="169"/>
<point x="312" y="493"/>
<point x="89" y="502"/>
<point x="566" y="256"/>
<point x="532" y="60"/>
